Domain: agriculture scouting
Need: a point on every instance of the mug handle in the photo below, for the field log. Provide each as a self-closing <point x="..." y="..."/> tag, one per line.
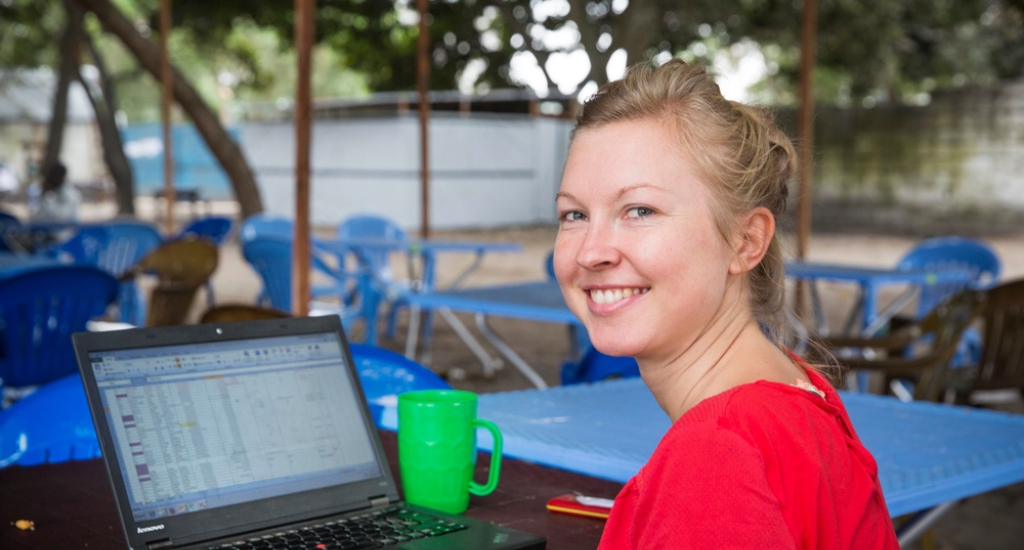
<point x="492" y="478"/>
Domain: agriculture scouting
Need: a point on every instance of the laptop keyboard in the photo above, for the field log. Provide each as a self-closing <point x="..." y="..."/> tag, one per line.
<point x="387" y="527"/>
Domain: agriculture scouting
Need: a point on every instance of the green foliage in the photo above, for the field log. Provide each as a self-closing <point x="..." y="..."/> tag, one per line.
<point x="28" y="30"/>
<point x="868" y="50"/>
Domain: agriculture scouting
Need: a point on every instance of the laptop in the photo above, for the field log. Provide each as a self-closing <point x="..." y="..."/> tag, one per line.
<point x="253" y="435"/>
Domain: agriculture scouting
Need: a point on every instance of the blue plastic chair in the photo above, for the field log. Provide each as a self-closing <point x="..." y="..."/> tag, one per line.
<point x="39" y="310"/>
<point x="114" y="247"/>
<point x="272" y="259"/>
<point x="266" y="225"/>
<point x="368" y="226"/>
<point x="214" y="229"/>
<point x="260" y="226"/>
<point x="379" y="282"/>
<point x="385" y="374"/>
<point x="50" y="425"/>
<point x="954" y="253"/>
<point x="596" y="366"/>
<point x="9" y="225"/>
<point x="951" y="253"/>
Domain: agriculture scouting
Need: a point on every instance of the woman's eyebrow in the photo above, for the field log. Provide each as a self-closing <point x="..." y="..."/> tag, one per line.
<point x="563" y="194"/>
<point x="625" y="190"/>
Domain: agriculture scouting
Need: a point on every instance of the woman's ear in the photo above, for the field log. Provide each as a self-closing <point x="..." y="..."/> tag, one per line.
<point x="756" y="229"/>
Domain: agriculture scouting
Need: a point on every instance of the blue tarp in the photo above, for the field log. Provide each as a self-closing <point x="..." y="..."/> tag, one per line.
<point x="195" y="168"/>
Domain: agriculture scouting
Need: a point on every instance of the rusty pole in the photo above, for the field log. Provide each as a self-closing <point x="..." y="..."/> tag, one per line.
<point x="423" y="86"/>
<point x="304" y="21"/>
<point x="166" y="93"/>
<point x="805" y="133"/>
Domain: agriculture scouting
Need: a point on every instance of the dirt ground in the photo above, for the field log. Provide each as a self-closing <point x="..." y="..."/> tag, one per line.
<point x="991" y="521"/>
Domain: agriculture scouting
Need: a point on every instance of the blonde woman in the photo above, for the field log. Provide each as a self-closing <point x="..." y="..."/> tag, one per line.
<point x="667" y="251"/>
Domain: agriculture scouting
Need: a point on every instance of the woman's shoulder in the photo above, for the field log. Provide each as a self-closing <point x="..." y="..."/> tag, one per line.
<point x="769" y="414"/>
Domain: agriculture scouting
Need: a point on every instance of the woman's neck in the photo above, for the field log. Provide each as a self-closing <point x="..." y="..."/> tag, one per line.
<point x="730" y="352"/>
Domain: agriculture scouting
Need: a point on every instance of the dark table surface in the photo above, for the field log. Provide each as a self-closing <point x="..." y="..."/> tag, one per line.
<point x="72" y="504"/>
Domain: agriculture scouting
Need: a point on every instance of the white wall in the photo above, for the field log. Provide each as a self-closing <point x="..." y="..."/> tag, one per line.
<point x="21" y="144"/>
<point x="486" y="171"/>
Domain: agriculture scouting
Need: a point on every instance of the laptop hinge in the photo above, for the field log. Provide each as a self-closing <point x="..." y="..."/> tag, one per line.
<point x="381" y="500"/>
<point x="162" y="543"/>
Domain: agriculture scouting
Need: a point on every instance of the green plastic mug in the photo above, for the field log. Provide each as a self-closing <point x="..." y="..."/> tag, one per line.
<point x="437" y="449"/>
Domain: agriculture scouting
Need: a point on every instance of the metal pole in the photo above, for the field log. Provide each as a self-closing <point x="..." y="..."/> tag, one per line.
<point x="166" y="93"/>
<point x="423" y="85"/>
<point x="805" y="131"/>
<point x="304" y="21"/>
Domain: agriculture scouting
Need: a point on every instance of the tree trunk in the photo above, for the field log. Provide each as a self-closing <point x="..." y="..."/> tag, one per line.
<point x="220" y="143"/>
<point x="104" y="104"/>
<point x="636" y="29"/>
<point x="68" y="71"/>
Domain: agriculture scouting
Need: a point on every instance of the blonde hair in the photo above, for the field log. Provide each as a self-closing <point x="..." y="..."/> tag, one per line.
<point x="741" y="155"/>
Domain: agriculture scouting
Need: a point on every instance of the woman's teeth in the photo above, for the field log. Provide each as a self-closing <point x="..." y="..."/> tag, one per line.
<point x="614" y="295"/>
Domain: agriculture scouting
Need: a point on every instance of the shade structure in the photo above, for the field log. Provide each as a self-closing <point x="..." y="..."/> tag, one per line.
<point x="304" y="20"/>
<point x="166" y="94"/>
<point x="805" y="121"/>
<point x="423" y="86"/>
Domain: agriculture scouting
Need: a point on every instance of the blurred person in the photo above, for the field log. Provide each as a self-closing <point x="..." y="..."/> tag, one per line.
<point x="667" y="252"/>
<point x="8" y="180"/>
<point x="58" y="200"/>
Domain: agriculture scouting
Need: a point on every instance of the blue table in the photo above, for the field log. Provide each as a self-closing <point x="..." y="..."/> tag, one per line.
<point x="871" y="281"/>
<point x="928" y="455"/>
<point x="375" y="284"/>
<point x="535" y="301"/>
<point x="12" y="264"/>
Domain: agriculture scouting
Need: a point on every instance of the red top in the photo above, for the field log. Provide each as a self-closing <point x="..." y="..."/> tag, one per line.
<point x="763" y="465"/>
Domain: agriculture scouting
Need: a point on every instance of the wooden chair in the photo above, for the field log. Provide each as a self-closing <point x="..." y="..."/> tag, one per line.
<point x="181" y="267"/>
<point x="1002" y="355"/>
<point x="239" y="312"/>
<point x="932" y="339"/>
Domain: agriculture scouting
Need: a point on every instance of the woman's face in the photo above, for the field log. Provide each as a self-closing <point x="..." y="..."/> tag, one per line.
<point x="638" y="256"/>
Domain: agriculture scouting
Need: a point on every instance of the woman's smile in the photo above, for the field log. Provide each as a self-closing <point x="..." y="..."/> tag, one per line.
<point x="605" y="299"/>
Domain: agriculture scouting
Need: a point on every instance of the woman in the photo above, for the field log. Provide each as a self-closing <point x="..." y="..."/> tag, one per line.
<point x="667" y="252"/>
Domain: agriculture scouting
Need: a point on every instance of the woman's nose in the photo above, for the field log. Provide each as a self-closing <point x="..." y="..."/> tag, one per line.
<point x="598" y="250"/>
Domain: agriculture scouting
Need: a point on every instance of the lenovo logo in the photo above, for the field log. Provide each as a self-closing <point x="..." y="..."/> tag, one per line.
<point x="142" y="530"/>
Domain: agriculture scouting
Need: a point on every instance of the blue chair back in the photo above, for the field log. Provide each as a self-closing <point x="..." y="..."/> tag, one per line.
<point x="39" y="310"/>
<point x="265" y="225"/>
<point x="113" y="247"/>
<point x="214" y="229"/>
<point x="385" y="374"/>
<point x="944" y="253"/>
<point x="272" y="259"/>
<point x="373" y="227"/>
<point x="50" y="425"/>
<point x="596" y="366"/>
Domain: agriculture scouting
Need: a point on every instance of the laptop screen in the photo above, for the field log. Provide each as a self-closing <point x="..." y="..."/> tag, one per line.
<point x="205" y="425"/>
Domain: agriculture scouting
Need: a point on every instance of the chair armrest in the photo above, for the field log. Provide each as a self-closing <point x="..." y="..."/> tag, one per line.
<point x="893" y="342"/>
<point x="893" y="366"/>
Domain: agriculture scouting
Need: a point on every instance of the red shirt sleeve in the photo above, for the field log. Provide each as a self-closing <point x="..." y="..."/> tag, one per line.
<point x="704" y="487"/>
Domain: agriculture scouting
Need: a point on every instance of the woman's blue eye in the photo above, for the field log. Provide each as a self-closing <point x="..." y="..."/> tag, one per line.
<point x="639" y="212"/>
<point x="573" y="216"/>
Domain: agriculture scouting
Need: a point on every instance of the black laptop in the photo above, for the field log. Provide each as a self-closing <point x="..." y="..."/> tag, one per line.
<point x="253" y="435"/>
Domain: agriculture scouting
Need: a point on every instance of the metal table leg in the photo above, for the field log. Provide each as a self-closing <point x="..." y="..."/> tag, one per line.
<point x="921" y="522"/>
<point x="490" y="364"/>
<point x="508" y="353"/>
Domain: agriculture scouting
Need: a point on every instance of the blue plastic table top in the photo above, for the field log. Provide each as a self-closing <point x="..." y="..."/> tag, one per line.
<point x="871" y="275"/>
<point x="416" y="246"/>
<point x="927" y="454"/>
<point x="537" y="301"/>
